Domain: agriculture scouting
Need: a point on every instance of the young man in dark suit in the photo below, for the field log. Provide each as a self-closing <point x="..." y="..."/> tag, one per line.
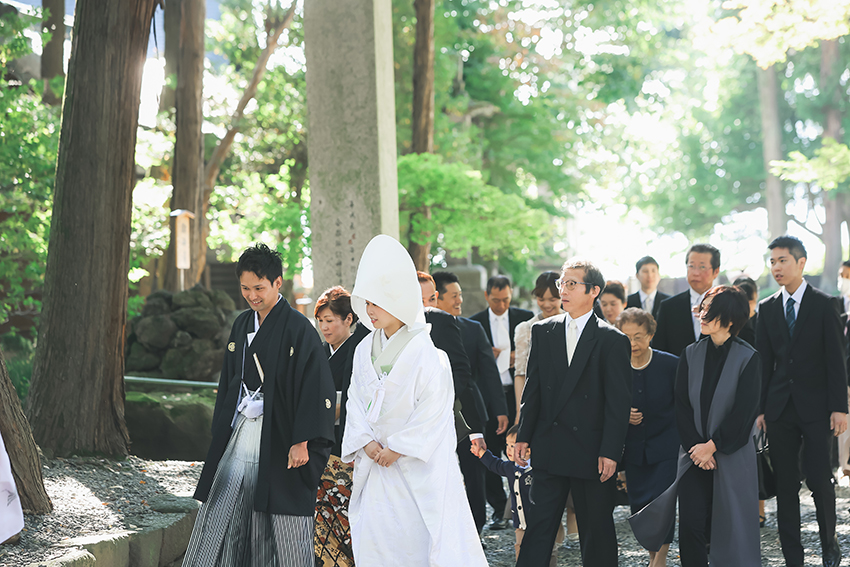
<point x="575" y="415"/>
<point x="648" y="297"/>
<point x="500" y="321"/>
<point x="678" y="326"/>
<point x="804" y="396"/>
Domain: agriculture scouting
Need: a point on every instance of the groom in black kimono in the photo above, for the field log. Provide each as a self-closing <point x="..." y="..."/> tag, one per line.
<point x="299" y="394"/>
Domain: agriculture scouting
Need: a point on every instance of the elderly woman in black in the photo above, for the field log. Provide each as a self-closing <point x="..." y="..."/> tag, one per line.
<point x="652" y="443"/>
<point x="717" y="397"/>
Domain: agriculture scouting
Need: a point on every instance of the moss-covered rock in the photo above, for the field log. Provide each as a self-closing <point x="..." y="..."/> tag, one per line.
<point x="169" y="426"/>
<point x="141" y="358"/>
<point x="155" y="332"/>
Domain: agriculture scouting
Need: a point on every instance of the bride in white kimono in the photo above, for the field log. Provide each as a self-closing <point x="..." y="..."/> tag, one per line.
<point x="408" y="505"/>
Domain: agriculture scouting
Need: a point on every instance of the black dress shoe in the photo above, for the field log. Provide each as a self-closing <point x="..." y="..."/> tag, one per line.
<point x="831" y="553"/>
<point x="498" y="524"/>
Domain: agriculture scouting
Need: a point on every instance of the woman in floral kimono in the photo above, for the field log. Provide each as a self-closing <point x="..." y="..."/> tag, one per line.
<point x="408" y="505"/>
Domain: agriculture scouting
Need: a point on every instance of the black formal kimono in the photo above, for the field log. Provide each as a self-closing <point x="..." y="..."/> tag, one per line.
<point x="340" y="363"/>
<point x="298" y="406"/>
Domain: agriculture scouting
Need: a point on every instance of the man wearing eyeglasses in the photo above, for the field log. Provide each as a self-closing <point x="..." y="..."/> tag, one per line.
<point x="574" y="415"/>
<point x="678" y="325"/>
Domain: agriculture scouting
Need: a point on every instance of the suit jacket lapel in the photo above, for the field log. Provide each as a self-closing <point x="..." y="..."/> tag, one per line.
<point x="486" y="324"/>
<point x="582" y="353"/>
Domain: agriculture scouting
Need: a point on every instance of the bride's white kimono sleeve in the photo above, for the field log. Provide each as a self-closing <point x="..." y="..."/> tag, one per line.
<point x="11" y="515"/>
<point x="414" y="512"/>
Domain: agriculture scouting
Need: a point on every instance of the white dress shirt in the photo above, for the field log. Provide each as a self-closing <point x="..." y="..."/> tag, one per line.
<point x="581" y="322"/>
<point x="647" y="300"/>
<point x="798" y="297"/>
<point x="500" y="328"/>
<point x="696" y="299"/>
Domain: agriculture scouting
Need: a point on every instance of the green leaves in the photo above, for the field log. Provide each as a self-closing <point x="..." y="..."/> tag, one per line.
<point x="829" y="168"/>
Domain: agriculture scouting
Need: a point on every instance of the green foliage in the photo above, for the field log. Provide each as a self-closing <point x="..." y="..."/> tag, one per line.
<point x="29" y="140"/>
<point x="18" y="353"/>
<point x="465" y="212"/>
<point x="829" y="168"/>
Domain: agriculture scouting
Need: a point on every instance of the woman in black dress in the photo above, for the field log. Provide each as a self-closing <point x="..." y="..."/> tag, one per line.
<point x="652" y="443"/>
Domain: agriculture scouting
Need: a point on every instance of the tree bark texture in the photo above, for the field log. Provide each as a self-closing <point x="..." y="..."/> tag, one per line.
<point x="188" y="167"/>
<point x="768" y="85"/>
<point x="274" y="27"/>
<point x="833" y="201"/>
<point x="171" y="27"/>
<point x="53" y="52"/>
<point x="422" y="135"/>
<point x="23" y="454"/>
<point x="76" y="400"/>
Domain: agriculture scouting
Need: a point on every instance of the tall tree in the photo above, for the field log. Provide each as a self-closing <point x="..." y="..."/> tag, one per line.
<point x="53" y="52"/>
<point x="171" y="28"/>
<point x="771" y="127"/>
<point x="422" y="135"/>
<point x="76" y="401"/>
<point x="23" y="454"/>
<point x="835" y="201"/>
<point x="188" y="169"/>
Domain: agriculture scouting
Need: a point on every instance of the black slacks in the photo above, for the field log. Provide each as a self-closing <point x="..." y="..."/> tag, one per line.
<point x="786" y="435"/>
<point x="473" y="480"/>
<point x="496" y="443"/>
<point x="594" y="506"/>
<point x="696" y="489"/>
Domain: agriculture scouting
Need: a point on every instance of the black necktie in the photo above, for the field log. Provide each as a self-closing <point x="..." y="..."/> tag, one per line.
<point x="790" y="317"/>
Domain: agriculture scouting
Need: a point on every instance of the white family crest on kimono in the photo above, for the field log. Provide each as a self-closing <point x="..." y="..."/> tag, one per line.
<point x="414" y="512"/>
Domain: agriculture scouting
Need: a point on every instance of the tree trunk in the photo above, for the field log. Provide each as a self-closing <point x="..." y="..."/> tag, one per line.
<point x="53" y="52"/>
<point x="76" y="400"/>
<point x="422" y="138"/>
<point x="834" y="201"/>
<point x="275" y="24"/>
<point x="172" y="24"/>
<point x="771" y="127"/>
<point x="188" y="165"/>
<point x="23" y="454"/>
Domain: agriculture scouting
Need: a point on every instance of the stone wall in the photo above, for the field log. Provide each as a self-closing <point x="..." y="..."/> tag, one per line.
<point x="180" y="336"/>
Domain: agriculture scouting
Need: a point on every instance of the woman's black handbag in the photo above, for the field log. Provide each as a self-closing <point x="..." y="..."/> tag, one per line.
<point x="767" y="480"/>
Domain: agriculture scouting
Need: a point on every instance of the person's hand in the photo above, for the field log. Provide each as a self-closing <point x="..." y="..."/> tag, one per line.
<point x="838" y="423"/>
<point x="386" y="457"/>
<point x="519" y="452"/>
<point x="298" y="455"/>
<point x="496" y="352"/>
<point x="635" y="417"/>
<point x="372" y="449"/>
<point x="503" y="424"/>
<point x="513" y="358"/>
<point x="760" y="423"/>
<point x="607" y="468"/>
<point x="702" y="453"/>
<point x="479" y="443"/>
<point x="710" y="465"/>
<point x="477" y="450"/>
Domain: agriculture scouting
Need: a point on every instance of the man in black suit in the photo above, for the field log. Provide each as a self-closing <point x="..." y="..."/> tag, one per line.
<point x="574" y="416"/>
<point x="648" y="297"/>
<point x="678" y="326"/>
<point x="804" y="396"/>
<point x="500" y="321"/>
<point x="447" y="335"/>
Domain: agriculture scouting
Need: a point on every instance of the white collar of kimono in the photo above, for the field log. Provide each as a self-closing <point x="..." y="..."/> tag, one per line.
<point x="386" y="277"/>
<point x="257" y="322"/>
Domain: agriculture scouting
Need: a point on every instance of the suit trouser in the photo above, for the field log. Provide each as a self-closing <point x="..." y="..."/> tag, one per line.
<point x="473" y="480"/>
<point x="594" y="506"/>
<point x="496" y="496"/>
<point x="785" y="436"/>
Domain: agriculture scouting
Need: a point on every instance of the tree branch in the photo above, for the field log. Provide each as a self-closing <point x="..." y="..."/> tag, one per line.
<point x="275" y="28"/>
<point x="804" y="227"/>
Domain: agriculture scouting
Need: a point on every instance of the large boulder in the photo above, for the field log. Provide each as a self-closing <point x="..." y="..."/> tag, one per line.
<point x="201" y="361"/>
<point x="197" y="321"/>
<point x="156" y="306"/>
<point x="195" y="297"/>
<point x="155" y="332"/>
<point x="223" y="301"/>
<point x="141" y="358"/>
<point x="169" y="426"/>
<point x="181" y="339"/>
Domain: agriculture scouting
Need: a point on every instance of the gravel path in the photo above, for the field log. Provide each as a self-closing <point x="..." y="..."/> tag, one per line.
<point x="98" y="496"/>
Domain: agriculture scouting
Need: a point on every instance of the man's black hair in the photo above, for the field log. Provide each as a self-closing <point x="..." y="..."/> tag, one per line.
<point x="443" y="279"/>
<point x="262" y="261"/>
<point x="705" y="249"/>
<point x="644" y="261"/>
<point x="592" y="275"/>
<point x="499" y="282"/>
<point x="748" y="286"/>
<point x="792" y="243"/>
<point x="845" y="264"/>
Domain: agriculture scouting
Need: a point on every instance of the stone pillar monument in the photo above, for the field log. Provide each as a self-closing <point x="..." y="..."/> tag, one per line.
<point x="351" y="140"/>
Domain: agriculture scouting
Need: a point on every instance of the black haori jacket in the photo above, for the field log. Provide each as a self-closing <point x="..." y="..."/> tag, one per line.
<point x="299" y="403"/>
